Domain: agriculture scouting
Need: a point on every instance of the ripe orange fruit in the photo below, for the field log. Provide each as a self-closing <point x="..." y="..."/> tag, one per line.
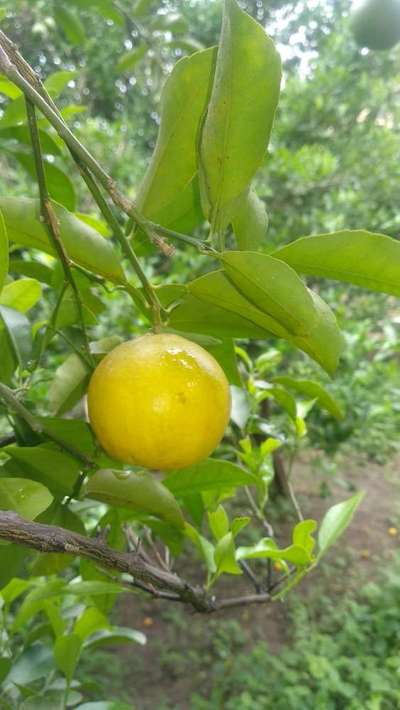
<point x="376" y="23"/>
<point x="159" y="401"/>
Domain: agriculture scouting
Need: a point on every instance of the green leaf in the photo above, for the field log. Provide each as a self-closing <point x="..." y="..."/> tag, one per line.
<point x="5" y="667"/>
<point x="105" y="705"/>
<point x="9" y="89"/>
<point x="83" y="244"/>
<point x="3" y="251"/>
<point x="93" y="588"/>
<point x="74" y="432"/>
<point x="218" y="522"/>
<point x="115" y="635"/>
<point x="21" y="134"/>
<point x="27" y="498"/>
<point x="336" y="520"/>
<point x="239" y="523"/>
<point x="277" y="291"/>
<point x="32" y="269"/>
<point x="21" y="295"/>
<point x="12" y="559"/>
<point x="69" y="384"/>
<point x="284" y="398"/>
<point x="56" y="82"/>
<point x="89" y="622"/>
<point x="68" y="21"/>
<point x="355" y="256"/>
<point x="66" y="653"/>
<point x="325" y="343"/>
<point x="45" y="464"/>
<point x="302" y="534"/>
<point x="15" y="113"/>
<point x="192" y="314"/>
<point x="128" y="60"/>
<point x="240" y="114"/>
<point x="215" y="288"/>
<point x="14" y="589"/>
<point x="250" y="222"/>
<point x="205" y="548"/>
<point x="169" y="193"/>
<point x="225" y="556"/>
<point x="19" y="332"/>
<point x="207" y="475"/>
<point x="314" y="390"/>
<point x="139" y="491"/>
<point x="60" y="187"/>
<point x="267" y="548"/>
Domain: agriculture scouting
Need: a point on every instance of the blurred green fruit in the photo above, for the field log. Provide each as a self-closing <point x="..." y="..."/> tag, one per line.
<point x="376" y="23"/>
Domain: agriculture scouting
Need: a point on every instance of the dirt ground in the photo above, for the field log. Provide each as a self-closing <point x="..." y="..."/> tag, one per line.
<point x="165" y="673"/>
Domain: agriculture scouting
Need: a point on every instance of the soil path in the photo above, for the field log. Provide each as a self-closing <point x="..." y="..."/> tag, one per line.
<point x="177" y="660"/>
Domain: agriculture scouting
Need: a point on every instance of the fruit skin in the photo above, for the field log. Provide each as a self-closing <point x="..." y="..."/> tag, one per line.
<point x="376" y="23"/>
<point x="159" y="401"/>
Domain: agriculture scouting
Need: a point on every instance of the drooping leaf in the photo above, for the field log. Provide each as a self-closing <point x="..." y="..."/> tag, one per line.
<point x="82" y="243"/>
<point x="27" y="498"/>
<point x="240" y="114"/>
<point x="208" y="475"/>
<point x="355" y="256"/>
<point x="69" y="384"/>
<point x="169" y="193"/>
<point x="138" y="491"/>
<point x="325" y="342"/>
<point x="3" y="251"/>
<point x="250" y="222"/>
<point x="314" y="390"/>
<point x="277" y="291"/>
<point x="336" y="520"/>
<point x="21" y="295"/>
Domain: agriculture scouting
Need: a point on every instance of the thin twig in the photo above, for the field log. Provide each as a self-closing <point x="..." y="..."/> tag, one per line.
<point x="124" y="243"/>
<point x="21" y="75"/>
<point x="50" y="220"/>
<point x="251" y="576"/>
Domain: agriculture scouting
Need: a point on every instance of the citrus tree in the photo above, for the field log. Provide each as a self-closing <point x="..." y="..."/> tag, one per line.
<point x="131" y="482"/>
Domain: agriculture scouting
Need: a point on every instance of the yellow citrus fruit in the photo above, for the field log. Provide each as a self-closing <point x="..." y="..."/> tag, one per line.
<point x="159" y="401"/>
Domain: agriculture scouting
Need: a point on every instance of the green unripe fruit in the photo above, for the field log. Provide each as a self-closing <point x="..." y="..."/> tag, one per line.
<point x="376" y="23"/>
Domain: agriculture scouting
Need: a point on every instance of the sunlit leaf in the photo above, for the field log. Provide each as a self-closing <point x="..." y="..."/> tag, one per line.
<point x="336" y="520"/>
<point x="27" y="498"/>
